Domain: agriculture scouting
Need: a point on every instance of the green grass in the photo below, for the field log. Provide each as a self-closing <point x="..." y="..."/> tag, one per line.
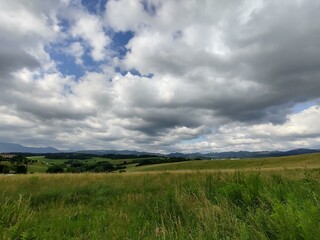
<point x="42" y="163"/>
<point x="37" y="168"/>
<point x="112" y="161"/>
<point x="46" y="160"/>
<point x="237" y="205"/>
<point x="299" y="161"/>
<point x="271" y="198"/>
<point x="91" y="160"/>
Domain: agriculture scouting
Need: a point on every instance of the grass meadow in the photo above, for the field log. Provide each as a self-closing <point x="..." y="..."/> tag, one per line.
<point x="291" y="162"/>
<point x="42" y="163"/>
<point x="223" y="203"/>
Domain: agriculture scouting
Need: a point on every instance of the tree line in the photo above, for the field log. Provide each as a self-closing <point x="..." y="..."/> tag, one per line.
<point x="15" y="164"/>
<point x="74" y="166"/>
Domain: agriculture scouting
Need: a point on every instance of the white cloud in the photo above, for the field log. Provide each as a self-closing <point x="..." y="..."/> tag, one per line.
<point x="76" y="50"/>
<point x="125" y="15"/>
<point x="224" y="75"/>
<point x="89" y="28"/>
<point x="299" y="131"/>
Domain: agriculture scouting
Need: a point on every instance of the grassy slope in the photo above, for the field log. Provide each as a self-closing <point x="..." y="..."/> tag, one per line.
<point x="94" y="159"/>
<point x="299" y="161"/>
<point x="160" y="206"/>
<point x="43" y="163"/>
<point x="39" y="167"/>
<point x="48" y="160"/>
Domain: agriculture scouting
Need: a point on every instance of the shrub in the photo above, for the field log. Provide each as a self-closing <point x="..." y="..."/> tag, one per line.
<point x="21" y="169"/>
<point x="55" y="169"/>
<point x="4" y="169"/>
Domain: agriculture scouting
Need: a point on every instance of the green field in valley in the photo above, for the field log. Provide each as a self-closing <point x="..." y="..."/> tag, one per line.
<point x="275" y="198"/>
<point x="42" y="163"/>
<point x="299" y="161"/>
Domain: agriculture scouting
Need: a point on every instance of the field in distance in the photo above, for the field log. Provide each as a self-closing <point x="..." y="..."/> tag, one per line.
<point x="309" y="161"/>
<point x="41" y="163"/>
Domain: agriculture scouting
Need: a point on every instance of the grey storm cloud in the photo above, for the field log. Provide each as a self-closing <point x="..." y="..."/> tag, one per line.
<point x="14" y="59"/>
<point x="276" y="51"/>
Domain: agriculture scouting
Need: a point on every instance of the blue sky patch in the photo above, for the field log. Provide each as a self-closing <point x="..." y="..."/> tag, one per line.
<point x="198" y="139"/>
<point x="95" y="6"/>
<point x="305" y="105"/>
<point x="66" y="63"/>
<point x="119" y="41"/>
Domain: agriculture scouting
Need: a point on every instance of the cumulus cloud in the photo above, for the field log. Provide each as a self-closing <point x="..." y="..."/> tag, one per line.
<point x="76" y="50"/>
<point x="126" y="15"/>
<point x="255" y="62"/>
<point x="195" y="76"/>
<point x="89" y="28"/>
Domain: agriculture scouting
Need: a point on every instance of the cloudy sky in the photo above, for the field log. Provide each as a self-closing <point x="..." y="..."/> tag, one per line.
<point x="160" y="75"/>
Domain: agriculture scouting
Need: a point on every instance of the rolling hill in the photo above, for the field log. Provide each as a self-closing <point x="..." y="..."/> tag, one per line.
<point x="12" y="147"/>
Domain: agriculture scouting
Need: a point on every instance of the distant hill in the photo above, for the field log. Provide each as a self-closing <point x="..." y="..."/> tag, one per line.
<point x="299" y="151"/>
<point x="212" y="155"/>
<point x="12" y="147"/>
<point x="15" y="148"/>
<point x="117" y="152"/>
<point x="244" y="154"/>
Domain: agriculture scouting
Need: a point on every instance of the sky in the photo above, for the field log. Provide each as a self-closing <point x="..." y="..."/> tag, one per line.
<point x="160" y="75"/>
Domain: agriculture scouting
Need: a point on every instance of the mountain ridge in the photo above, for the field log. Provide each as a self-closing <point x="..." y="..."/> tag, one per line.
<point x="14" y="147"/>
<point x="18" y="148"/>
